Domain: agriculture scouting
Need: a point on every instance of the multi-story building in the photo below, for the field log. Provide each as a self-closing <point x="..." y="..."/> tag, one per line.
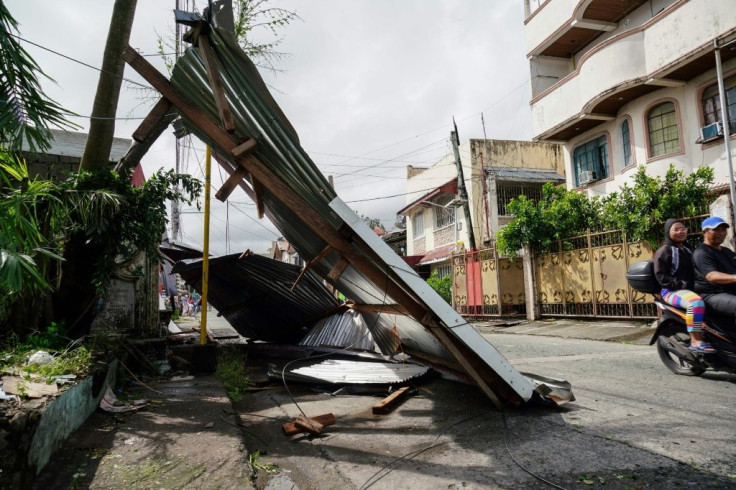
<point x="624" y="83"/>
<point x="494" y="172"/>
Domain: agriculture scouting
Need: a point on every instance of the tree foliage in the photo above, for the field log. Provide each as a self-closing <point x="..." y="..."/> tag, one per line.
<point x="38" y="218"/>
<point x="558" y="214"/>
<point x="639" y="209"/>
<point x="252" y="19"/>
<point x="443" y="285"/>
<point x="26" y="113"/>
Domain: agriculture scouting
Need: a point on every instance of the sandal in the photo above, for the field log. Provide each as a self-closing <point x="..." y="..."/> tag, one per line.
<point x="702" y="348"/>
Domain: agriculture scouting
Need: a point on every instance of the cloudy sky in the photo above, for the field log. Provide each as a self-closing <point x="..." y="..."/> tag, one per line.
<point x="371" y="86"/>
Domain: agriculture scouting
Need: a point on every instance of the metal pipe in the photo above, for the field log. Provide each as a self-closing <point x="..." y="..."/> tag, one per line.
<point x="725" y="117"/>
<point x="206" y="244"/>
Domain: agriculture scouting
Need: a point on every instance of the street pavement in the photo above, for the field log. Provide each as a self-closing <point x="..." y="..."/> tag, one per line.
<point x="626" y="429"/>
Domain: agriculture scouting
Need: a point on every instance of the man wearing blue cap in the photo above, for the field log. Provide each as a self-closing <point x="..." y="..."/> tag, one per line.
<point x="715" y="268"/>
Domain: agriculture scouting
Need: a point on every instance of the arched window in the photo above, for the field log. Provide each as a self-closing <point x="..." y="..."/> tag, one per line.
<point x="712" y="103"/>
<point x="626" y="142"/>
<point x="664" y="137"/>
<point x="591" y="161"/>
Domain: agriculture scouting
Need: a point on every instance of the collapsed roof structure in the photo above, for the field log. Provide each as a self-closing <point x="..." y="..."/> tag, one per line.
<point x="221" y="98"/>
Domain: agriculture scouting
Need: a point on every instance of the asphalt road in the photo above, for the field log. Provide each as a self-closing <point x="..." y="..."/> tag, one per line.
<point x="634" y="425"/>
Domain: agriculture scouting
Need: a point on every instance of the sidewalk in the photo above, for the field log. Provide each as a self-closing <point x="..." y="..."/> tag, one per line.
<point x="637" y="332"/>
<point x="191" y="436"/>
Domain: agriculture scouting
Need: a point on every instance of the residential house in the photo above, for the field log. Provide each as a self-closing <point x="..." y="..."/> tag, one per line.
<point x="67" y="148"/>
<point x="494" y="171"/>
<point x="629" y="83"/>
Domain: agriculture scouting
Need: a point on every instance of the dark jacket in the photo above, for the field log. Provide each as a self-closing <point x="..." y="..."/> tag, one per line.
<point x="673" y="263"/>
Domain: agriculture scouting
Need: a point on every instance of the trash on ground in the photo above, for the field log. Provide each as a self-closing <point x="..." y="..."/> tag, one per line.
<point x="110" y="403"/>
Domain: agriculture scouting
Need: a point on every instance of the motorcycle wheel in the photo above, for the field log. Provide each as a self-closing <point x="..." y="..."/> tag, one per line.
<point x="674" y="333"/>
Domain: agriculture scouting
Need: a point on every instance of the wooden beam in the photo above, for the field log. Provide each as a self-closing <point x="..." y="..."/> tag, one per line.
<point x="162" y="108"/>
<point x="258" y="194"/>
<point x="290" y="428"/>
<point x="392" y="401"/>
<point x="229" y="185"/>
<point x="146" y="134"/>
<point x="338" y="269"/>
<point x="390" y="309"/>
<point x="244" y="148"/>
<point x="208" y="56"/>
<point x="309" y="265"/>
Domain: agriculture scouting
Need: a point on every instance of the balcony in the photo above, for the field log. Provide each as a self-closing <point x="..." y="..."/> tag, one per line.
<point x="561" y="28"/>
<point x="669" y="50"/>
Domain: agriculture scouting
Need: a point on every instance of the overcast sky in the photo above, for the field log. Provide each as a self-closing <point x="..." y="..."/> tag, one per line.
<point x="370" y="86"/>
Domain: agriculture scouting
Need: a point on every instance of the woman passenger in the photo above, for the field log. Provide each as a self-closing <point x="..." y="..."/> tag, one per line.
<point x="673" y="267"/>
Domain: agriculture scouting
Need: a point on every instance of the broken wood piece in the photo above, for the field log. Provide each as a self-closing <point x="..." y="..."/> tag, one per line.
<point x="208" y="57"/>
<point x="229" y="185"/>
<point x="311" y="263"/>
<point x="290" y="428"/>
<point x="162" y="108"/>
<point x="308" y="425"/>
<point x="244" y="148"/>
<point x="391" y="401"/>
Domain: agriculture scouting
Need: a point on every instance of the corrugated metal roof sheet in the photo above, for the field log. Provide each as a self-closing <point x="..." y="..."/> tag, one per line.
<point x="524" y="174"/>
<point x="347" y="329"/>
<point x="254" y="295"/>
<point x="304" y="207"/>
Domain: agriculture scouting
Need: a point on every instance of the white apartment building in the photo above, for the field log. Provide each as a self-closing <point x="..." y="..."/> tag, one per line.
<point x="624" y="83"/>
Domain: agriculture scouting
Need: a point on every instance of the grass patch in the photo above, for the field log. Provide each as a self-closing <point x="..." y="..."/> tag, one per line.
<point x="69" y="357"/>
<point x="231" y="373"/>
<point x="254" y="459"/>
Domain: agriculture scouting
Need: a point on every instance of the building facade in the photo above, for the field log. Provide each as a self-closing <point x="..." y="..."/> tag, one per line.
<point x="629" y="83"/>
<point x="494" y="172"/>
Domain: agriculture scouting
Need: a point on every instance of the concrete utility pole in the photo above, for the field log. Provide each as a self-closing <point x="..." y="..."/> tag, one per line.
<point x="102" y="121"/>
<point x="461" y="186"/>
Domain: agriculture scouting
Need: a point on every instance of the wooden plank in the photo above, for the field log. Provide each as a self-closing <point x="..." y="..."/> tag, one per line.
<point x="338" y="269"/>
<point x="162" y="108"/>
<point x="365" y="308"/>
<point x="308" y="425"/>
<point x="290" y="428"/>
<point x="244" y="148"/>
<point x="392" y="401"/>
<point x="208" y="56"/>
<point x="229" y="185"/>
<point x="258" y="192"/>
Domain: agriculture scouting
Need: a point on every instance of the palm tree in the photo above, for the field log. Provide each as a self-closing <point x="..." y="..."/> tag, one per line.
<point x="25" y="111"/>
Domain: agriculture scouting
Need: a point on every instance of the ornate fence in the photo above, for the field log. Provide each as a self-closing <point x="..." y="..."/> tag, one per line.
<point x="586" y="277"/>
<point x="485" y="284"/>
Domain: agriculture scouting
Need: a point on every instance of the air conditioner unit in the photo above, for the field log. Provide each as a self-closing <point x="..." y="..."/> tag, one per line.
<point x="587" y="177"/>
<point x="711" y="132"/>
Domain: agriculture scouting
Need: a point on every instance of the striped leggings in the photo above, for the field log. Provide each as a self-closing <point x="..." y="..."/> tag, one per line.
<point x="689" y="301"/>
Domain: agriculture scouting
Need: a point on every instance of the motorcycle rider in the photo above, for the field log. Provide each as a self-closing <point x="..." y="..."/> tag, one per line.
<point x="715" y="268"/>
<point x="673" y="268"/>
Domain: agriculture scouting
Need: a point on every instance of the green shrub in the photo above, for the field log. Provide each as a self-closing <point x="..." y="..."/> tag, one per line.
<point x="443" y="285"/>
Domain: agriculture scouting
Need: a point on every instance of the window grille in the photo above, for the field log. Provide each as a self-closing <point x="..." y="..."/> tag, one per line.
<point x="507" y="191"/>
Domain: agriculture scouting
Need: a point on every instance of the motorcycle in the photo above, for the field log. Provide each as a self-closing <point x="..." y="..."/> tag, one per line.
<point x="672" y="338"/>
